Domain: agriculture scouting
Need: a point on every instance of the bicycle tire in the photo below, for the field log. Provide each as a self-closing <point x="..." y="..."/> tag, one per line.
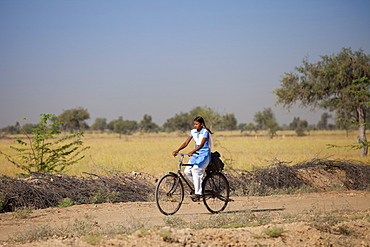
<point x="216" y="192"/>
<point x="169" y="194"/>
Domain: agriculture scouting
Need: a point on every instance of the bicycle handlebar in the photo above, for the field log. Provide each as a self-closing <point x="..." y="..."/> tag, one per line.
<point x="184" y="154"/>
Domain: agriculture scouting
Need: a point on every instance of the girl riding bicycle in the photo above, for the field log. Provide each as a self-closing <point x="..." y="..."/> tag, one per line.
<point x="200" y="157"/>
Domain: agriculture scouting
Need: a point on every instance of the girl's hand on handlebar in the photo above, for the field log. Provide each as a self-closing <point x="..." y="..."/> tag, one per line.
<point x="174" y="153"/>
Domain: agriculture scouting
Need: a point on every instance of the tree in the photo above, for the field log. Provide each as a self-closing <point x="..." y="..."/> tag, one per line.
<point x="229" y="122"/>
<point x="123" y="127"/>
<point x="247" y="127"/>
<point x="74" y="119"/>
<point x="28" y="128"/>
<point x="184" y="121"/>
<point x="11" y="129"/>
<point x="301" y="127"/>
<point x="323" y="123"/>
<point x="251" y="127"/>
<point x="43" y="152"/>
<point x="211" y="117"/>
<point x="146" y="125"/>
<point x="99" y="124"/>
<point x="181" y="121"/>
<point x="266" y="120"/>
<point x="330" y="84"/>
<point x="294" y="124"/>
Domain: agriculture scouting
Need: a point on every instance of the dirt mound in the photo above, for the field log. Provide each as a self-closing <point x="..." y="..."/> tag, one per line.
<point x="310" y="176"/>
<point x="334" y="174"/>
<point x="47" y="190"/>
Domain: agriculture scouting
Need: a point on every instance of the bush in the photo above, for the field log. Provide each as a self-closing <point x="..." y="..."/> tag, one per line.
<point x="66" y="202"/>
<point x="38" y="154"/>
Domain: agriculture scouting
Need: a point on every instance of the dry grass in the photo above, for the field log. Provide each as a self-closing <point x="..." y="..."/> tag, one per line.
<point x="152" y="153"/>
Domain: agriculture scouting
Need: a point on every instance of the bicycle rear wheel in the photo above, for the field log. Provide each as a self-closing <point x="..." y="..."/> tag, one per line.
<point x="215" y="192"/>
<point x="169" y="194"/>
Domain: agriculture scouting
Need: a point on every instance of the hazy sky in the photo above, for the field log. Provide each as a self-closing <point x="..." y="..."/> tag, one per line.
<point x="130" y="58"/>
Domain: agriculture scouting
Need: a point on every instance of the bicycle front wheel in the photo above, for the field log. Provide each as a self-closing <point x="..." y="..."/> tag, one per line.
<point x="169" y="194"/>
<point x="215" y="192"/>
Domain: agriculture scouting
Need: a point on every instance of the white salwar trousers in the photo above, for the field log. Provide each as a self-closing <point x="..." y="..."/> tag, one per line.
<point x="195" y="175"/>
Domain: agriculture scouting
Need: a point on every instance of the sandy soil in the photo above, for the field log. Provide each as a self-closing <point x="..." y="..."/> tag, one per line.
<point x="295" y="233"/>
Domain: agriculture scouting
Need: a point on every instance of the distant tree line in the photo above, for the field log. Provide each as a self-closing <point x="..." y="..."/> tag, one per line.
<point x="74" y="120"/>
<point x="338" y="83"/>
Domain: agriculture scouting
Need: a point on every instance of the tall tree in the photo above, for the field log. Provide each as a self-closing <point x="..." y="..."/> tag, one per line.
<point x="211" y="116"/>
<point x="294" y="124"/>
<point x="123" y="127"/>
<point x="184" y="121"/>
<point x="301" y="127"/>
<point x="338" y="82"/>
<point x="323" y="123"/>
<point x="74" y="119"/>
<point x="99" y="124"/>
<point x="266" y="120"/>
<point x="181" y="121"/>
<point x="229" y="122"/>
<point x="146" y="124"/>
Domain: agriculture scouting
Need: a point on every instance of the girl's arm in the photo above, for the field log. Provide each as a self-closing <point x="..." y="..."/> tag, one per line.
<point x="199" y="147"/>
<point x="184" y="145"/>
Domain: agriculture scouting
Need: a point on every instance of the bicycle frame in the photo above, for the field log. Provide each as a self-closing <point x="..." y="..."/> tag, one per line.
<point x="179" y="173"/>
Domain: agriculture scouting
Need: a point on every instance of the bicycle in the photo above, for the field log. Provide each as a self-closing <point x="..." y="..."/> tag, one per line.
<point x="169" y="192"/>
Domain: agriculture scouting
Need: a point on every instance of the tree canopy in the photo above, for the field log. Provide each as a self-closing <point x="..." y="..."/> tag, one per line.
<point x="338" y="82"/>
<point x="99" y="124"/>
<point x="146" y="125"/>
<point x="123" y="127"/>
<point x="214" y="120"/>
<point x="266" y="120"/>
<point x="74" y="119"/>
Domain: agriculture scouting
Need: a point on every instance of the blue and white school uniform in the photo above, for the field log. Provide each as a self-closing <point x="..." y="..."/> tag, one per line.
<point x="200" y="160"/>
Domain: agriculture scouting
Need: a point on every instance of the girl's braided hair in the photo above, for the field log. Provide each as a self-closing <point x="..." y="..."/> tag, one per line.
<point x="200" y="119"/>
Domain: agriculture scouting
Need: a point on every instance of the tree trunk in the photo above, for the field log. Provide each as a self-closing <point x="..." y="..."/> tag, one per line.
<point x="361" y="137"/>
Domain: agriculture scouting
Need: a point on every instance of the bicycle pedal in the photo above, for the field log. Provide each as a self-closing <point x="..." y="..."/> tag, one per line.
<point x="195" y="198"/>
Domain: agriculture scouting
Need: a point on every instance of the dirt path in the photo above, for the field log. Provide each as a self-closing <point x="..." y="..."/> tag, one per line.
<point x="119" y="213"/>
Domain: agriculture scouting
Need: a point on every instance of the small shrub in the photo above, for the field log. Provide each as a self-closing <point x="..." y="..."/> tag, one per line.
<point x="234" y="225"/>
<point x="101" y="196"/>
<point x="247" y="219"/>
<point x="165" y="233"/>
<point x="41" y="152"/>
<point x="141" y="232"/>
<point x="344" y="230"/>
<point x="274" y="232"/>
<point x="82" y="227"/>
<point x="215" y="221"/>
<point x="22" y="212"/>
<point x="175" y="222"/>
<point x="66" y="202"/>
<point x="93" y="238"/>
<point x="37" y="233"/>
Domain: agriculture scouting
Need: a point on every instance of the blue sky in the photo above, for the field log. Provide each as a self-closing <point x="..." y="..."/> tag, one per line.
<point x="130" y="58"/>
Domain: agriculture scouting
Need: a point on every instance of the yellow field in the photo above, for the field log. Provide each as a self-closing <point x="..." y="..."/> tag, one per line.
<point x="152" y="153"/>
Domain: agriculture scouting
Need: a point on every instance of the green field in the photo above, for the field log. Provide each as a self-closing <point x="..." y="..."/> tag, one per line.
<point x="151" y="153"/>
